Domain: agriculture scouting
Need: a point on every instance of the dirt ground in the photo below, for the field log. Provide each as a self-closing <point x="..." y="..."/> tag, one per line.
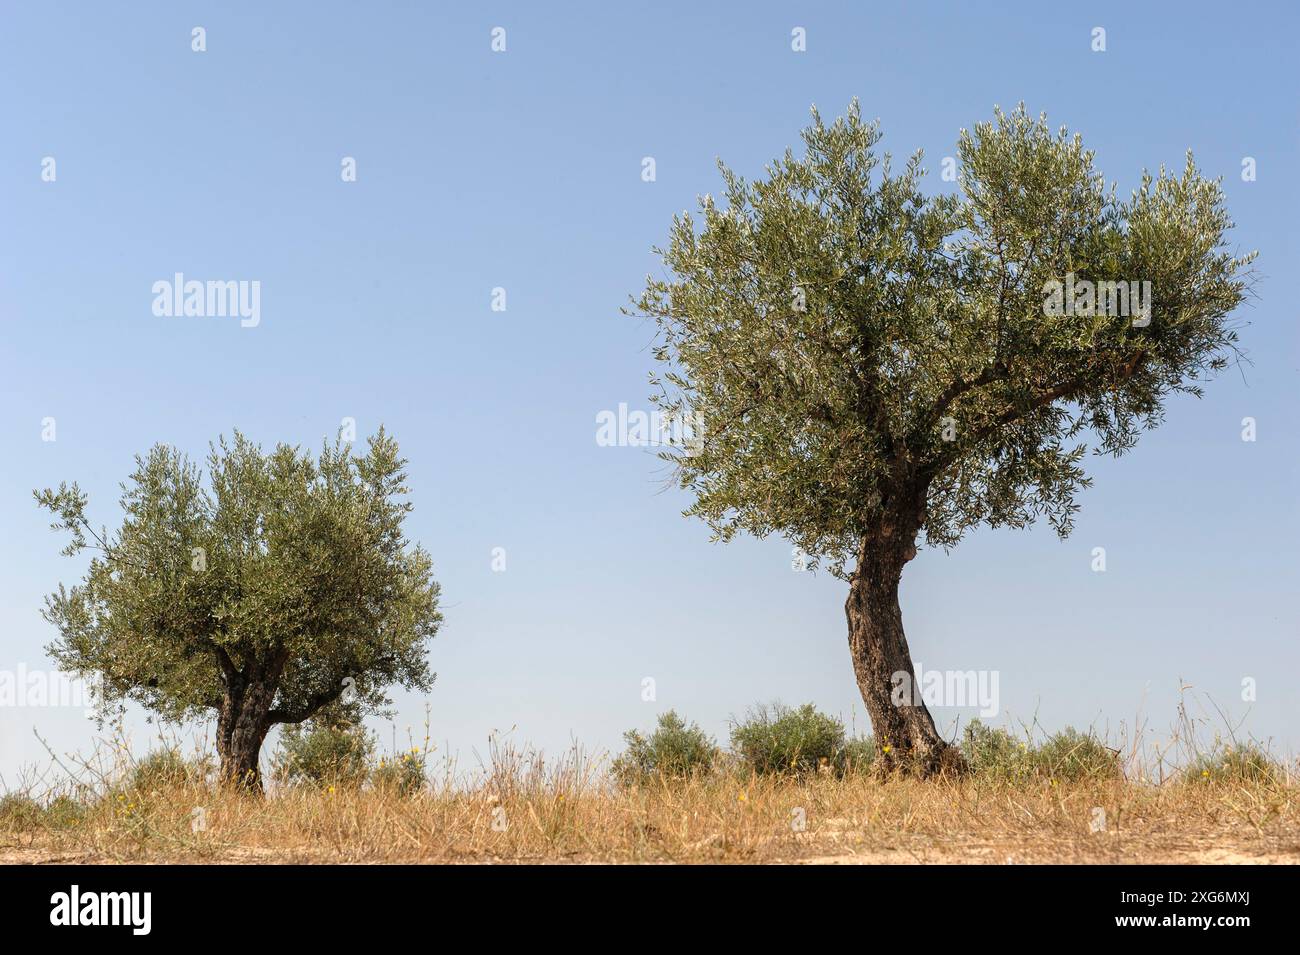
<point x="1103" y="851"/>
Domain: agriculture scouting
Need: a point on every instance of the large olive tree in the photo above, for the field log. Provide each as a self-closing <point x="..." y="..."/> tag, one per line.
<point x="283" y="586"/>
<point x="869" y="366"/>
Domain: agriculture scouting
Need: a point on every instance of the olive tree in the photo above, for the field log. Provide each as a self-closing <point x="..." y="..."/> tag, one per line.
<point x="870" y="368"/>
<point x="282" y="585"/>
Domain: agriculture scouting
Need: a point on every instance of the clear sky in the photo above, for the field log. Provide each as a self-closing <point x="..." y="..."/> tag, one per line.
<point x="522" y="170"/>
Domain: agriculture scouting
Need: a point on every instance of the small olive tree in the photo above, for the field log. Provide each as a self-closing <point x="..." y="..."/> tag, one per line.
<point x="867" y="366"/>
<point x="284" y="585"/>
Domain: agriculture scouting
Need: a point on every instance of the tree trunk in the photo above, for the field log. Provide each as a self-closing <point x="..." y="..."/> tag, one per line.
<point x="906" y="738"/>
<point x="242" y="724"/>
<point x="240" y="759"/>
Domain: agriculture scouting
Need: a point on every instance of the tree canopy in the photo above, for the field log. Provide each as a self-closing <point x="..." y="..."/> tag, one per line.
<point x="859" y="353"/>
<point x="283" y="584"/>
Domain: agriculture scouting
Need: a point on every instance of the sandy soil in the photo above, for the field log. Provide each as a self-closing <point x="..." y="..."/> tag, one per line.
<point x="1172" y="852"/>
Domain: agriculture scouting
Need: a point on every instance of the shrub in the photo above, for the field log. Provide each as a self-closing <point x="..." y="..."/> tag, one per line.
<point x="165" y="769"/>
<point x="402" y="774"/>
<point x="19" y="812"/>
<point x="64" y="812"/>
<point x="1245" y="764"/>
<point x="1072" y="756"/>
<point x="858" y="755"/>
<point x="1065" y="756"/>
<point x="778" y="740"/>
<point x="326" y="751"/>
<point x="996" y="753"/>
<point x="675" y="750"/>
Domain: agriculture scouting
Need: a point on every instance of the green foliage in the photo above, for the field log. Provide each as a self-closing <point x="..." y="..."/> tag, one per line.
<point x="1067" y="756"/>
<point x="1236" y="764"/>
<point x="19" y="812"/>
<point x="858" y="755"/>
<point x="326" y="751"/>
<point x="776" y="739"/>
<point x="64" y="812"/>
<point x="1071" y="756"/>
<point x="167" y="768"/>
<point x="996" y="753"/>
<point x="401" y="773"/>
<point x="675" y="750"/>
<point x="863" y="360"/>
<point x="285" y="576"/>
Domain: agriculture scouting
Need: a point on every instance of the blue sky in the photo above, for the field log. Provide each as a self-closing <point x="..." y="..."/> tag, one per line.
<point x="522" y="170"/>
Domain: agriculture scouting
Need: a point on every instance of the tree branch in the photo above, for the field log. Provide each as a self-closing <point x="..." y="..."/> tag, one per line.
<point x="1067" y="389"/>
<point x="314" y="704"/>
<point x="995" y="372"/>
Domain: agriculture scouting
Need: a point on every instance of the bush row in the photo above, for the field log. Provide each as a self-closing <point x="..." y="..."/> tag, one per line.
<point x="771" y="740"/>
<point x="779" y="740"/>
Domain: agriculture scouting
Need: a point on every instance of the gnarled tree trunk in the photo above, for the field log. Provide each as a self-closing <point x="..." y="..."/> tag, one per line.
<point x="239" y="744"/>
<point x="906" y="738"/>
<point x="243" y="722"/>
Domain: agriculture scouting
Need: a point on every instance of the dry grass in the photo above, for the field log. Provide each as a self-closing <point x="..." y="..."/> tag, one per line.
<point x="569" y="815"/>
<point x="1064" y="801"/>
